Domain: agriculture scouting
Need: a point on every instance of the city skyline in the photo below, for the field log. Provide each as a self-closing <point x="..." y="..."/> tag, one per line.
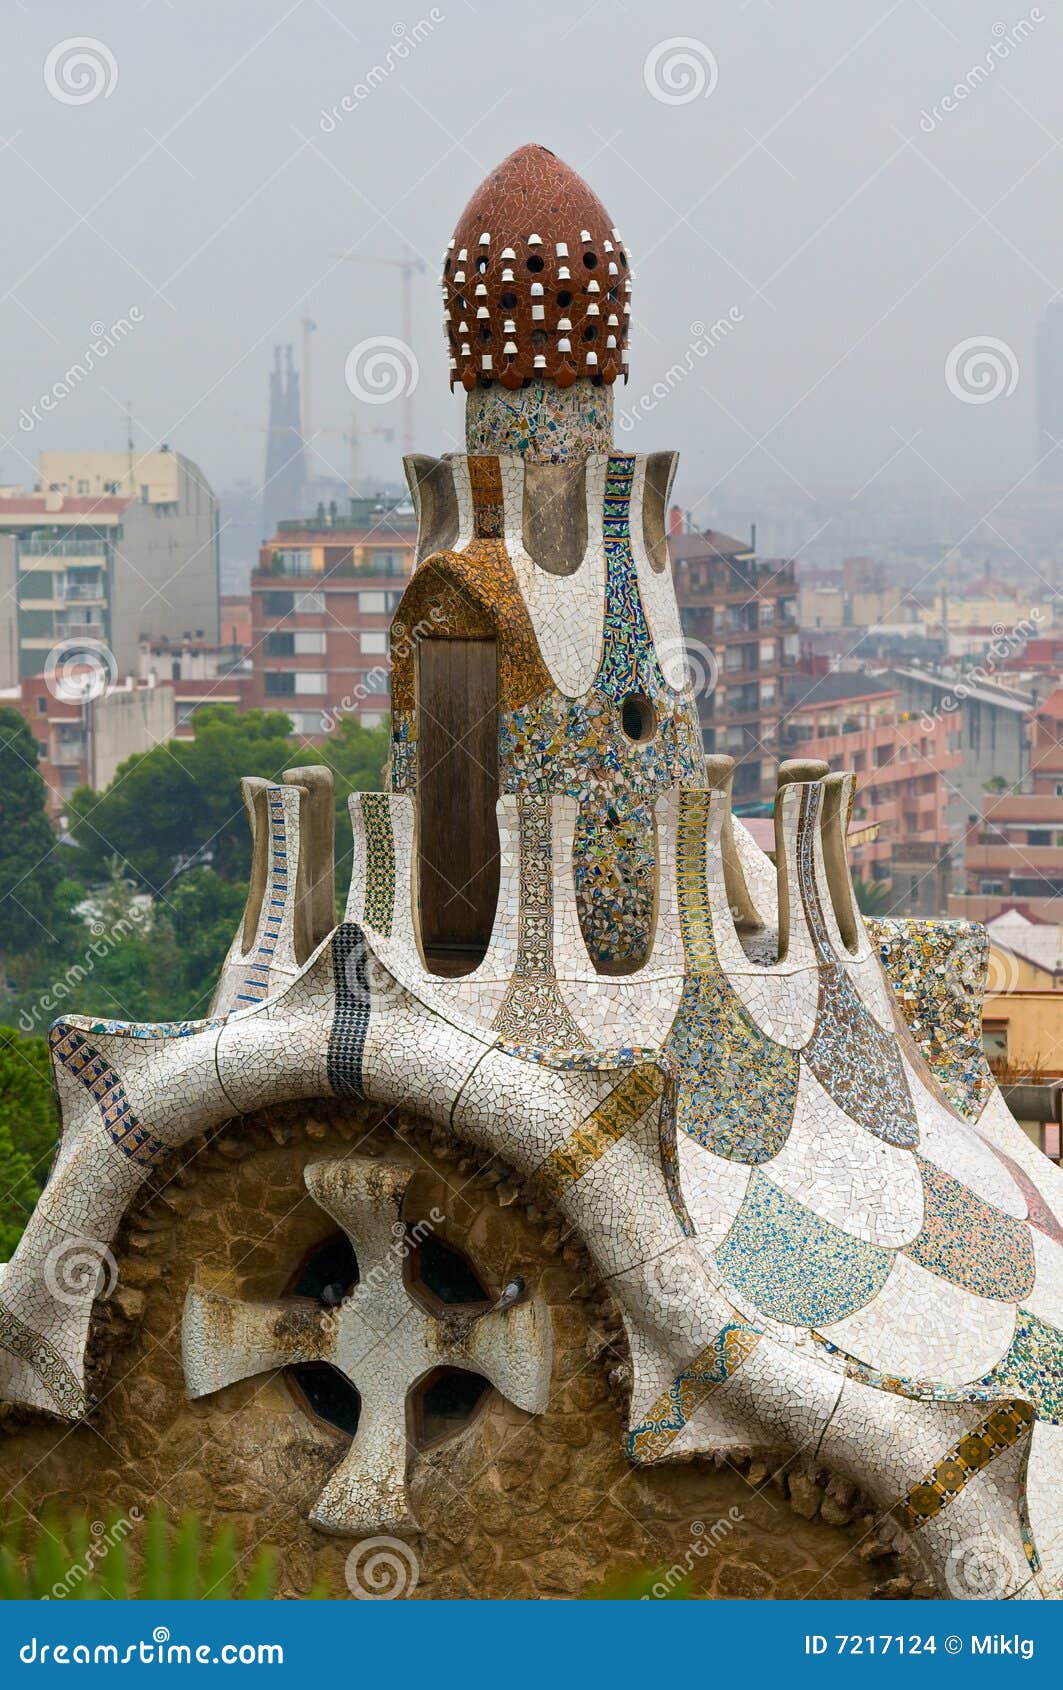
<point x="813" y="317"/>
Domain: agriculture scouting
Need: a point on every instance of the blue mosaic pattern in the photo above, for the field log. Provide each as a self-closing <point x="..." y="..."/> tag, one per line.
<point x="794" y="1266"/>
<point x="256" y="982"/>
<point x="719" y="1361"/>
<point x="85" y="1063"/>
<point x="1033" y="1367"/>
<point x="350" y="1023"/>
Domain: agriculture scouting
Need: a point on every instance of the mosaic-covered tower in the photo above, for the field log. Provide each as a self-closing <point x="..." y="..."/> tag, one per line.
<point x="538" y="648"/>
<point x="821" y="1240"/>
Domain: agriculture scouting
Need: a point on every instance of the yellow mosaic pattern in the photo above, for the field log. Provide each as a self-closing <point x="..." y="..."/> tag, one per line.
<point x="974" y="1451"/>
<point x="614" y="1116"/>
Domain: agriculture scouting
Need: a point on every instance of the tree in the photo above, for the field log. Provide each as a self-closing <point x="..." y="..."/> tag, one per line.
<point x="873" y="897"/>
<point x="32" y="910"/>
<point x="179" y="803"/>
<point x="28" y="1131"/>
<point x="356" y="756"/>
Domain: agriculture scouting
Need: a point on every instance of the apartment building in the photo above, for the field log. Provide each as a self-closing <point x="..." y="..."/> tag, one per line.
<point x="321" y="605"/>
<point x="82" y="743"/>
<point x="113" y="548"/>
<point x="739" y="619"/>
<point x="1014" y="846"/>
<point x="899" y="828"/>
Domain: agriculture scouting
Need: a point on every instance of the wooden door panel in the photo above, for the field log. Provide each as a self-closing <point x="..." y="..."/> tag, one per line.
<point x="457" y="711"/>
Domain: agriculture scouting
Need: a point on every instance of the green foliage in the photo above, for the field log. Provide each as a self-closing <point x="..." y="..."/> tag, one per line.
<point x="356" y="757"/>
<point x="646" y="1584"/>
<point x="32" y="865"/>
<point x="28" y="1131"/>
<point x="873" y="897"/>
<point x="179" y="803"/>
<point x="71" y="1559"/>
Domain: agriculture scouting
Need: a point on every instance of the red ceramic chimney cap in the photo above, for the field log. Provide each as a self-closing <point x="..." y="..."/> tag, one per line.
<point x="536" y="279"/>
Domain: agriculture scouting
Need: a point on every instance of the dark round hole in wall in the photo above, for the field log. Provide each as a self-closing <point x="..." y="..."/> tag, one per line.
<point x="535" y="262"/>
<point x="442" y="1277"/>
<point x="326" y="1393"/>
<point x="445" y="1403"/>
<point x="327" y="1273"/>
<point x="638" y="718"/>
<point x="590" y="260"/>
<point x="330" y="1267"/>
<point x="508" y="301"/>
<point x="564" y="297"/>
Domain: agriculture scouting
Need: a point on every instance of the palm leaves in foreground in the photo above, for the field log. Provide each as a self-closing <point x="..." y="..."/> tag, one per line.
<point x="129" y="1556"/>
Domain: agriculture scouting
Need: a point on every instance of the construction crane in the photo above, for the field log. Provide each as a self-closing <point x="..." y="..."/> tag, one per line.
<point x="409" y="265"/>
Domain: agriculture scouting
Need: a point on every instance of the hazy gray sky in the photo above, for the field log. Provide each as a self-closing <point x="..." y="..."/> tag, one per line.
<point x="855" y="239"/>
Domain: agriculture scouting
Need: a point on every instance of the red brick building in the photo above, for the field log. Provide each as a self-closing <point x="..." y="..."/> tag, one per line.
<point x="1014" y="854"/>
<point x="898" y="832"/>
<point x="321" y="603"/>
<point x="739" y="619"/>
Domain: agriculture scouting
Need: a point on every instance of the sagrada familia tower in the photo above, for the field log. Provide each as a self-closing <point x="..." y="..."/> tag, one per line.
<point x="593" y="1172"/>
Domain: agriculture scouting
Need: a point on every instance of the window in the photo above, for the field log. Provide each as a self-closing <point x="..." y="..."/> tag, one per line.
<point x="279" y="683"/>
<point x="309" y="604"/>
<point x="370" y="718"/>
<point x="377" y="604"/>
<point x="306" y="722"/>
<point x="42" y="749"/>
<point x="42" y="707"/>
<point x="310" y="680"/>
<point x="278" y="604"/>
<point x="374" y="680"/>
<point x="295" y="560"/>
<point x="280" y="645"/>
<point x="327" y="1275"/>
<point x="309" y="642"/>
<point x="767" y="651"/>
<point x="373" y="643"/>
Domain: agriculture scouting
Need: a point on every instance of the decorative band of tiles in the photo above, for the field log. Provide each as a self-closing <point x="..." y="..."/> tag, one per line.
<point x="256" y="982"/>
<point x="673" y="1409"/>
<point x="104" y="1083"/>
<point x="998" y="1432"/>
<point x="46" y="1362"/>
<point x="350" y="1023"/>
<point x="605" y="1126"/>
<point x="379" y="862"/>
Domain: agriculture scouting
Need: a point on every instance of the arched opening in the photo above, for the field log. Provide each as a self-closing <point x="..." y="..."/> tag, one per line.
<point x="457" y="789"/>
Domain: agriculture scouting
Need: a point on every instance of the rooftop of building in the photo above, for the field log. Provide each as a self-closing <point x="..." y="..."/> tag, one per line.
<point x="363" y="519"/>
<point x="808" y="692"/>
<point x="984" y="692"/>
<point x="1036" y="942"/>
